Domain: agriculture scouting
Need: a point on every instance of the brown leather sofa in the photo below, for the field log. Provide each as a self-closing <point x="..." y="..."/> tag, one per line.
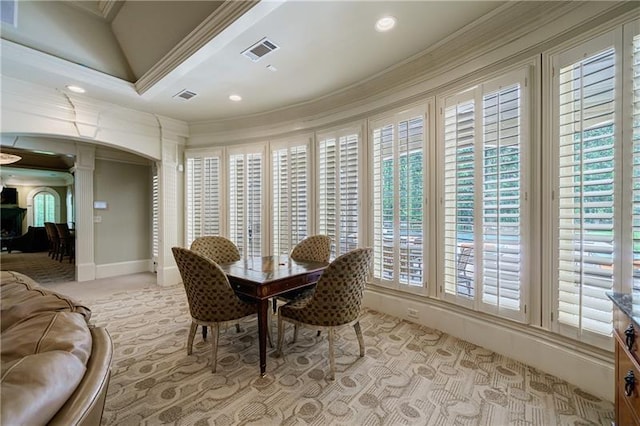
<point x="55" y="365"/>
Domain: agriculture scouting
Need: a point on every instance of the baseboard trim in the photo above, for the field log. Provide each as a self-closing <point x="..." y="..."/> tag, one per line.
<point x="85" y="272"/>
<point x="533" y="347"/>
<point x="122" y="268"/>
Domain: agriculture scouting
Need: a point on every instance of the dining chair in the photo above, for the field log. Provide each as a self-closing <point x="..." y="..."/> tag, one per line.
<point x="67" y="242"/>
<point x="54" y="239"/>
<point x="212" y="301"/>
<point x="220" y="250"/>
<point x="217" y="248"/>
<point x="316" y="248"/>
<point x="337" y="301"/>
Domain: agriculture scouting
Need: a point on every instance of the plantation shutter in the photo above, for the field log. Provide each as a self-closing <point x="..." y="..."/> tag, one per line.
<point x="245" y="202"/>
<point x="155" y="212"/>
<point x="290" y="200"/>
<point x="586" y="205"/>
<point x="503" y="215"/>
<point x="635" y="76"/>
<point x="338" y="191"/>
<point x="485" y="136"/>
<point x="398" y="199"/>
<point x="458" y="200"/>
<point x="202" y="197"/>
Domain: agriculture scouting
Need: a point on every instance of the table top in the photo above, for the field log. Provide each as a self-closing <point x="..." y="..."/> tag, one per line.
<point x="265" y="269"/>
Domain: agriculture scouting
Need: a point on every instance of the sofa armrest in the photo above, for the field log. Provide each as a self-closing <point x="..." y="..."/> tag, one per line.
<point x="86" y="404"/>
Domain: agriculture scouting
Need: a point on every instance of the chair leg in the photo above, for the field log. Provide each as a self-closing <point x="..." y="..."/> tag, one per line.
<point x="332" y="361"/>
<point x="274" y="302"/>
<point x="270" y="340"/>
<point x="204" y="332"/>
<point x="215" y="331"/>
<point x="238" y="329"/>
<point x="192" y="334"/>
<point x="280" y="335"/>
<point x="358" y="330"/>
<point x="295" y="333"/>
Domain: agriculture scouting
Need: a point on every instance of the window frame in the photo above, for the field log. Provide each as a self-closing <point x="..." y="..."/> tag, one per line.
<point x="565" y="55"/>
<point x="202" y="154"/>
<point x="31" y="210"/>
<point x="288" y="144"/>
<point x="337" y="134"/>
<point x="421" y="109"/>
<point x="474" y="92"/>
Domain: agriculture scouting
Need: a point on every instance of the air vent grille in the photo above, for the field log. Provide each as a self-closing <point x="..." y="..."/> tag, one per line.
<point x="185" y="95"/>
<point x="260" y="49"/>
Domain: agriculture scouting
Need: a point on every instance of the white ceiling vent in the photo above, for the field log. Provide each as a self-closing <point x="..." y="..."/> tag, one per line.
<point x="185" y="95"/>
<point x="260" y="49"/>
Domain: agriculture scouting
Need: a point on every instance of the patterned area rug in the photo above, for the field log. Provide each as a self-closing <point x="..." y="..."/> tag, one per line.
<point x="410" y="375"/>
<point x="38" y="266"/>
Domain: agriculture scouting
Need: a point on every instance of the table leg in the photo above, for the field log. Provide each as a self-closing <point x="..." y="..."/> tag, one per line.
<point x="263" y="306"/>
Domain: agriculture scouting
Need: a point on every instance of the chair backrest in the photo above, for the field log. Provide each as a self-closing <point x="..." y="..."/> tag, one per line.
<point x="52" y="231"/>
<point x="316" y="248"/>
<point x="63" y="230"/>
<point x="217" y="248"/>
<point x="337" y="299"/>
<point x="209" y="293"/>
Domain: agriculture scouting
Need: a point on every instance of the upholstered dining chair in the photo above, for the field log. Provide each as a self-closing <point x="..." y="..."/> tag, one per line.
<point x="316" y="248"/>
<point x="217" y="248"/>
<point x="220" y="250"/>
<point x="336" y="302"/>
<point x="212" y="301"/>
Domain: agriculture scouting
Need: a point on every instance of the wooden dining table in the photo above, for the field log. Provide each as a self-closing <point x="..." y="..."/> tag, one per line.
<point x="261" y="278"/>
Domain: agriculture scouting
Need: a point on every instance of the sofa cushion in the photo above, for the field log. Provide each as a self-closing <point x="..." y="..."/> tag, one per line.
<point x="22" y="297"/>
<point x="44" y="358"/>
<point x="45" y="332"/>
<point x="36" y="386"/>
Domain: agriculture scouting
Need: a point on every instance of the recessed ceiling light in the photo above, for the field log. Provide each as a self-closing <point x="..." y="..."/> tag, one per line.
<point x="385" y="23"/>
<point x="75" y="89"/>
<point x="235" y="98"/>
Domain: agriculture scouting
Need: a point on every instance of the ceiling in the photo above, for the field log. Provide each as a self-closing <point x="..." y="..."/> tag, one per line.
<point x="140" y="54"/>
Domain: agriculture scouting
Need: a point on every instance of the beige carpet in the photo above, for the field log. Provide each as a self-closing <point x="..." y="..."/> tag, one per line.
<point x="410" y="375"/>
<point x="38" y="266"/>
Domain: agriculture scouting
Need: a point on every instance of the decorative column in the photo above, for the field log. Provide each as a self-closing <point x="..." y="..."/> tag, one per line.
<point x="170" y="204"/>
<point x="83" y="176"/>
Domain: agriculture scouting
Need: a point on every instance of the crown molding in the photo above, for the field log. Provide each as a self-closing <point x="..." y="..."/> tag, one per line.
<point x="506" y="33"/>
<point x="221" y="18"/>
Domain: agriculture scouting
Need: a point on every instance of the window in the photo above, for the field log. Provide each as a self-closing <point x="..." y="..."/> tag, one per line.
<point x="203" y="211"/>
<point x="586" y="194"/>
<point x="484" y="141"/>
<point x="633" y="105"/>
<point x="155" y="213"/>
<point x="398" y="200"/>
<point x="246" y="199"/>
<point x="43" y="208"/>
<point x="43" y="205"/>
<point x="338" y="193"/>
<point x="290" y="171"/>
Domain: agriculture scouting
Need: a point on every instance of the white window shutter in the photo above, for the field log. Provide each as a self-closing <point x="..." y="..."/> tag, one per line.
<point x="338" y="179"/>
<point x="245" y="202"/>
<point x="458" y="200"/>
<point x="203" y="215"/>
<point x="586" y="182"/>
<point x="290" y="197"/>
<point x="635" y="108"/>
<point x="398" y="201"/>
